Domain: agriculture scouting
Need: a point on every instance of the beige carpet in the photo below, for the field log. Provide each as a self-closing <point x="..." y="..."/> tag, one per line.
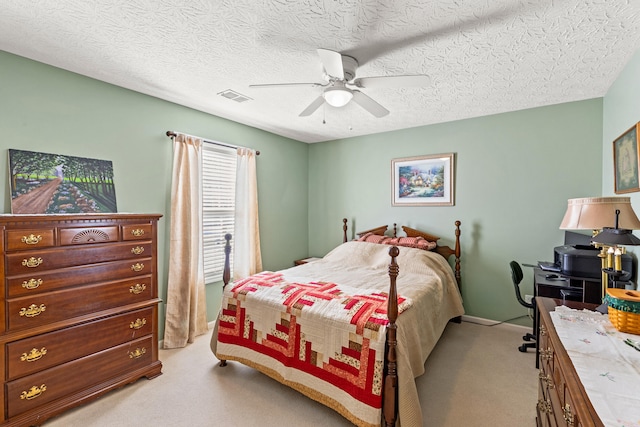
<point x="475" y="377"/>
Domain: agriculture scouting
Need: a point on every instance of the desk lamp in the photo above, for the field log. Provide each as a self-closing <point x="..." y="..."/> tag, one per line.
<point x="616" y="239"/>
<point x="597" y="214"/>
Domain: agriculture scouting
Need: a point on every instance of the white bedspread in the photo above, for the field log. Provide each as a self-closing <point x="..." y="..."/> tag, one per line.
<point x="424" y="277"/>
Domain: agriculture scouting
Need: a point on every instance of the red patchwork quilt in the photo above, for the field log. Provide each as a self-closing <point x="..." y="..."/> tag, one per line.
<point x="331" y="332"/>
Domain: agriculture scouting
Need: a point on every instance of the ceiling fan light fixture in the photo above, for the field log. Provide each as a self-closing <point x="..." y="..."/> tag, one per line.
<point x="337" y="96"/>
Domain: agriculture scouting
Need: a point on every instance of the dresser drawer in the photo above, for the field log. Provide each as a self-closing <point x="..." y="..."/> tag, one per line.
<point x="20" y="263"/>
<point x="42" y="309"/>
<point x="137" y="231"/>
<point x="61" y="381"/>
<point x="29" y="239"/>
<point x="35" y="354"/>
<point x="71" y="276"/>
<point x="86" y="235"/>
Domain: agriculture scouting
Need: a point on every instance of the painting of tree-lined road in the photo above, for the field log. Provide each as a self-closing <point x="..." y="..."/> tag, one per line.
<point x="44" y="183"/>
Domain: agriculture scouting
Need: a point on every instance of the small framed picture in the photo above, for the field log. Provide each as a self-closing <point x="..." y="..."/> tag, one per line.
<point x="423" y="180"/>
<point x="626" y="161"/>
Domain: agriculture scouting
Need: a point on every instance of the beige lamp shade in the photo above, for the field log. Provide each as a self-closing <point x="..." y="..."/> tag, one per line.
<point x="596" y="213"/>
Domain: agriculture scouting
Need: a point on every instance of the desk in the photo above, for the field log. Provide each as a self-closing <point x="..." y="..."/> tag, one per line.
<point x="588" y="290"/>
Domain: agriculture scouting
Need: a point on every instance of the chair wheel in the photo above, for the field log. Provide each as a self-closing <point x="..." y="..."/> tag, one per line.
<point x="523" y="348"/>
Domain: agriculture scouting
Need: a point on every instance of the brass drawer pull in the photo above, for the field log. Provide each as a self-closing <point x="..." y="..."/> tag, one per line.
<point x="546" y="379"/>
<point x="139" y="323"/>
<point x="543" y="330"/>
<point x="137" y="266"/>
<point x="137" y="250"/>
<point x="544" y="406"/>
<point x="33" y="392"/>
<point x="32" y="262"/>
<point x="138" y="232"/>
<point x="138" y="288"/>
<point x="33" y="355"/>
<point x="137" y="353"/>
<point x="567" y="415"/>
<point x="32" y="311"/>
<point x="32" y="283"/>
<point x="546" y="354"/>
<point x="31" y="239"/>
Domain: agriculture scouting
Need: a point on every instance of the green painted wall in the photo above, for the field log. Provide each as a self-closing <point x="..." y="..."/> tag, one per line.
<point x="621" y="110"/>
<point x="54" y="111"/>
<point x="514" y="174"/>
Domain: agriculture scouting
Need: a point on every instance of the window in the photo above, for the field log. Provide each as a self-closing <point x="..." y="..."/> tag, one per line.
<point x="218" y="205"/>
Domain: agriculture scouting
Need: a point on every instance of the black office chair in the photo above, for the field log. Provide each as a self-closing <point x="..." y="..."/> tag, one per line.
<point x="516" y="276"/>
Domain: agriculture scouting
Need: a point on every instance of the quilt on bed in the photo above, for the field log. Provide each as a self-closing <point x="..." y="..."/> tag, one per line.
<point x="278" y="324"/>
<point x="288" y="322"/>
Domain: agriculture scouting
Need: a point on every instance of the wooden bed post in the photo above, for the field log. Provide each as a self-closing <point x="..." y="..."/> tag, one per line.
<point x="457" y="253"/>
<point x="344" y="230"/>
<point x="390" y="391"/>
<point x="226" y="273"/>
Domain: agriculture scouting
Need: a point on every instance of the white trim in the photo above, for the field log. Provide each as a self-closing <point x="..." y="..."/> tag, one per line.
<point x="488" y="322"/>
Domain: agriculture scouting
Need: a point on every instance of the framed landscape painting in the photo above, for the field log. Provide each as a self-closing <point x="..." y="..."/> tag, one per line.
<point x="44" y="183"/>
<point x="626" y="161"/>
<point x="423" y="180"/>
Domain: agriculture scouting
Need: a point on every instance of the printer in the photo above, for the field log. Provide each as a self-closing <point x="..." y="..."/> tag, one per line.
<point x="583" y="261"/>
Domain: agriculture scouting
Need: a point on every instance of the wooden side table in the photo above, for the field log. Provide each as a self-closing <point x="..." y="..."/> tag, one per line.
<point x="305" y="260"/>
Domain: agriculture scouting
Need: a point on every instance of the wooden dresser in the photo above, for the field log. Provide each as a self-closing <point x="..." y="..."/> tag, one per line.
<point x="562" y="400"/>
<point x="79" y="309"/>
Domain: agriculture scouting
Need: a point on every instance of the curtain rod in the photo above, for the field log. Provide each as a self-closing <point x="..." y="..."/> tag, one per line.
<point x="172" y="134"/>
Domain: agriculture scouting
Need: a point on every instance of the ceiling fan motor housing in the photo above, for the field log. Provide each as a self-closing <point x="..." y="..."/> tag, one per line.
<point x="349" y="65"/>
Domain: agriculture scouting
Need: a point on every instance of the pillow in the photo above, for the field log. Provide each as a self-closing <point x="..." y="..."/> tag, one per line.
<point x="374" y="238"/>
<point x="412" y="242"/>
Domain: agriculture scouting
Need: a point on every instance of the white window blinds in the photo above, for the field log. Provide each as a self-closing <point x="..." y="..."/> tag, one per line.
<point x="218" y="205"/>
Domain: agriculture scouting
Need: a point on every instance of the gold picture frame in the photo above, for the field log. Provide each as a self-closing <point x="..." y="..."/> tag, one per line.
<point x="423" y="180"/>
<point x="626" y="161"/>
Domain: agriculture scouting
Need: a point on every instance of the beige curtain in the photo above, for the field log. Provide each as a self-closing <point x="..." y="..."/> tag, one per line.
<point x="247" y="259"/>
<point x="186" y="315"/>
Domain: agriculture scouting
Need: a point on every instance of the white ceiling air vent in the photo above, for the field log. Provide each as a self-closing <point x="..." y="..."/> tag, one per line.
<point x="230" y="94"/>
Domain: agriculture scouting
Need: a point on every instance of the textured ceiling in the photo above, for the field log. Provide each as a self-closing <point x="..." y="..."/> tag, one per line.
<point x="483" y="56"/>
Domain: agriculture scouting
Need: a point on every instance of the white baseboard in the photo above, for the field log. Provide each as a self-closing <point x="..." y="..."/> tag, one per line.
<point x="488" y="322"/>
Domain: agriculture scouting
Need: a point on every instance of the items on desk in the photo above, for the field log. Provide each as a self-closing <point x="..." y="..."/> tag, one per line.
<point x="617" y="259"/>
<point x="624" y="309"/>
<point x="554" y="277"/>
<point x="584" y="261"/>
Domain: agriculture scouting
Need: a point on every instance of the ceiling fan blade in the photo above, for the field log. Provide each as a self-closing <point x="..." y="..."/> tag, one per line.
<point x="276" y="85"/>
<point x="312" y="107"/>
<point x="369" y="104"/>
<point x="332" y="62"/>
<point x="392" y="81"/>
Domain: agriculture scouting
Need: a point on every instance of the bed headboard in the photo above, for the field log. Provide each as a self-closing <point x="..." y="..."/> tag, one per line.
<point x="444" y="251"/>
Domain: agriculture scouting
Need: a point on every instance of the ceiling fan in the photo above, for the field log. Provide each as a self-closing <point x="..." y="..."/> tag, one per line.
<point x="342" y="86"/>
